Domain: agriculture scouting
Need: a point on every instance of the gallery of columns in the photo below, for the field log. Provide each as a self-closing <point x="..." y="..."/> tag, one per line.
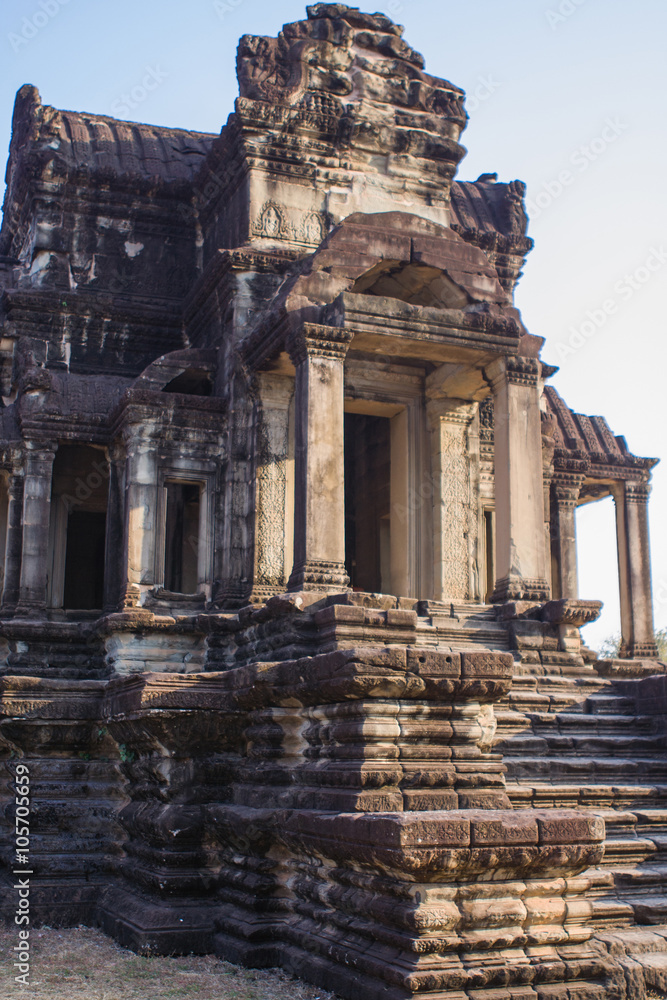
<point x="386" y="461"/>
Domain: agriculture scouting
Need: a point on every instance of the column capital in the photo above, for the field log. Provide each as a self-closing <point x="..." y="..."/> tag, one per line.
<point x="274" y="390"/>
<point x="637" y="492"/>
<point x="449" y="410"/>
<point x="15" y="485"/>
<point x="317" y="340"/>
<point x="40" y="448"/>
<point x="515" y="371"/>
<point x="566" y="487"/>
<point x="117" y="451"/>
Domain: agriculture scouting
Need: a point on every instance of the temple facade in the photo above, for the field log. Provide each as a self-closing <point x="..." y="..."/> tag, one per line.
<point x="290" y="622"/>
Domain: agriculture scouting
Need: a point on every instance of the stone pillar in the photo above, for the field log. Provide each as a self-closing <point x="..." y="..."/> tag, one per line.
<point x="271" y="482"/>
<point x="453" y="501"/>
<point x="521" y="565"/>
<point x="318" y="353"/>
<point x="565" y="490"/>
<point x="113" y="555"/>
<point x="13" y="543"/>
<point x="233" y="569"/>
<point x="618" y="494"/>
<point x="634" y="561"/>
<point x="36" y="523"/>
<point x="140" y="514"/>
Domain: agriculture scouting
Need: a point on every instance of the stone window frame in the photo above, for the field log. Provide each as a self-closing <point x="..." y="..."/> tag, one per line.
<point x="195" y="476"/>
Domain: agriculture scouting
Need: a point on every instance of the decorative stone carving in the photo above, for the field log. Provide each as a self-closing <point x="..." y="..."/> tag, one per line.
<point x="275" y="393"/>
<point x="568" y="612"/>
<point x="393" y="794"/>
<point x="454" y="502"/>
<point x="271" y="223"/>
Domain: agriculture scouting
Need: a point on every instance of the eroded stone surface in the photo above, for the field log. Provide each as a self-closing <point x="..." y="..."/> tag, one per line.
<point x="289" y="626"/>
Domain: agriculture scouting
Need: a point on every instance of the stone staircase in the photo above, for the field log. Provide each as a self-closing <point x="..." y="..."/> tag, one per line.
<point x="463" y="624"/>
<point x="571" y="739"/>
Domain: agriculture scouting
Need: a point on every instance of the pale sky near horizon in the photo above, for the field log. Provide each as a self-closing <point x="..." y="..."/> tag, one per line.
<point x="567" y="95"/>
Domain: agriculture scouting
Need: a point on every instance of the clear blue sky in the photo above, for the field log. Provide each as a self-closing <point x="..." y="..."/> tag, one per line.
<point x="569" y="89"/>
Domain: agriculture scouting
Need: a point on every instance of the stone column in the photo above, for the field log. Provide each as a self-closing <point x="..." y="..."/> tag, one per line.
<point x="618" y="494"/>
<point x="140" y="514"/>
<point x="453" y="500"/>
<point x="14" y="542"/>
<point x="113" y="554"/>
<point x="521" y="565"/>
<point x="318" y="353"/>
<point x="36" y="522"/>
<point x="275" y="393"/>
<point x="634" y="559"/>
<point x="565" y="490"/>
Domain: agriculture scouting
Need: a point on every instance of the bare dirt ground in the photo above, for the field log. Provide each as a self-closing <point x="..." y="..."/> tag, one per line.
<point x="83" y="964"/>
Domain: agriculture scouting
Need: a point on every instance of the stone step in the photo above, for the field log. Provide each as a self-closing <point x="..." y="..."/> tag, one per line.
<point x="611" y="913"/>
<point x="584" y="746"/>
<point x="649" y="909"/>
<point x="573" y="990"/>
<point x="637" y="941"/>
<point x="547" y="722"/>
<point x="653" y="823"/>
<point x="648" y="878"/>
<point x="645" y="772"/>
<point x="627" y="851"/>
<point x="530" y="793"/>
<point x="618" y="822"/>
<point x="606" y="704"/>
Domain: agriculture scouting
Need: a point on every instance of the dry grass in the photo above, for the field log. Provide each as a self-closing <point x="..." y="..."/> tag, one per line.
<point x="83" y="964"/>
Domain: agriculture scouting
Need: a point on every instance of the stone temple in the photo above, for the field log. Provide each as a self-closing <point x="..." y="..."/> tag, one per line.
<point x="290" y="625"/>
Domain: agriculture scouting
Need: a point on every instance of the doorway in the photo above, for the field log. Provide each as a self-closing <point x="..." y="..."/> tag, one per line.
<point x="78" y="528"/>
<point x="368" y="502"/>
<point x="181" y="555"/>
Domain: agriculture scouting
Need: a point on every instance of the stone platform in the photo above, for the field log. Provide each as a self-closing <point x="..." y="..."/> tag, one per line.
<point x="339" y="787"/>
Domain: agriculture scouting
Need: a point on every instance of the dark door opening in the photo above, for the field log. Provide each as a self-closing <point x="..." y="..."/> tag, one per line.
<point x="182" y="538"/>
<point x="84" y="559"/>
<point x="367" y="502"/>
<point x="77" y="546"/>
<point x="489" y="547"/>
